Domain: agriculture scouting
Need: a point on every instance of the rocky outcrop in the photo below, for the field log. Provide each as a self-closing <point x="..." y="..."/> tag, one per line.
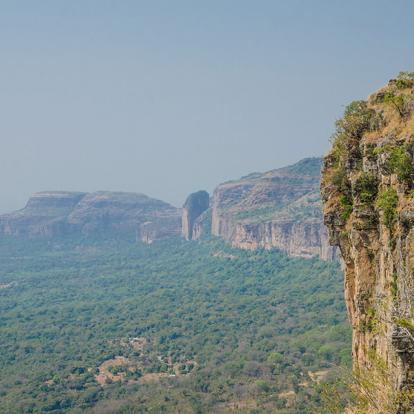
<point x="159" y="227"/>
<point x="277" y="209"/>
<point x="59" y="214"/>
<point x="195" y="205"/>
<point x="368" y="200"/>
<point x="301" y="239"/>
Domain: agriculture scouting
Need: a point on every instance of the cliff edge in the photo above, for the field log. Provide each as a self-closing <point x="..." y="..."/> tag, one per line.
<point x="368" y="204"/>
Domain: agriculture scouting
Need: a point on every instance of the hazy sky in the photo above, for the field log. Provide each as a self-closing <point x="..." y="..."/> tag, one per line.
<point x="168" y="97"/>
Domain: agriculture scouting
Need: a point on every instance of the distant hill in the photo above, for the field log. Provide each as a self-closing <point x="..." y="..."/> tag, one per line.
<point x="277" y="209"/>
<point x="101" y="214"/>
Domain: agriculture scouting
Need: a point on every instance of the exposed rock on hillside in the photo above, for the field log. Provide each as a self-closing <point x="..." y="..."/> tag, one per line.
<point x="280" y="208"/>
<point x="55" y="214"/>
<point x="195" y="205"/>
<point x="368" y="197"/>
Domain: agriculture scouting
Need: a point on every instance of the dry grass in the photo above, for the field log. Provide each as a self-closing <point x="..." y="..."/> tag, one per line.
<point x="394" y="124"/>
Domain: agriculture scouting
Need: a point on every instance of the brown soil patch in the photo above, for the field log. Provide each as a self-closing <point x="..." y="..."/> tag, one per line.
<point x="138" y="343"/>
<point x="318" y="376"/>
<point x="105" y="374"/>
<point x="242" y="404"/>
<point x="152" y="377"/>
<point x="287" y="394"/>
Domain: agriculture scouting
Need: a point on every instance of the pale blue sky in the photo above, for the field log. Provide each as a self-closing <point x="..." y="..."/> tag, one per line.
<point x="168" y="97"/>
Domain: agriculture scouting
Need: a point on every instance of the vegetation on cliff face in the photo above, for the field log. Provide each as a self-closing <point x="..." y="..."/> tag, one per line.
<point x="367" y="190"/>
<point x="173" y="327"/>
<point x="387" y="202"/>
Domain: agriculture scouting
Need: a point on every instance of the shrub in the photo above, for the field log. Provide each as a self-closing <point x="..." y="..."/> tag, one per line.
<point x="275" y="358"/>
<point x="346" y="207"/>
<point x="405" y="323"/>
<point x="366" y="187"/>
<point x="357" y="119"/>
<point x="341" y="182"/>
<point x="387" y="201"/>
<point x="262" y="385"/>
<point x="405" y="80"/>
<point x="398" y="102"/>
<point x="400" y="163"/>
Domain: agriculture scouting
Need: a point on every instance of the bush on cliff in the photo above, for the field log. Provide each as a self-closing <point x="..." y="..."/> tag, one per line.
<point x="387" y="201"/>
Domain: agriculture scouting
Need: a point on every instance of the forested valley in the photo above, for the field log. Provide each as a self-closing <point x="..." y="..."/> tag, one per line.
<point x="172" y="327"/>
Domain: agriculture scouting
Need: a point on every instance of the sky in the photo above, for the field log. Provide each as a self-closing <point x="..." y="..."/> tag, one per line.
<point x="170" y="97"/>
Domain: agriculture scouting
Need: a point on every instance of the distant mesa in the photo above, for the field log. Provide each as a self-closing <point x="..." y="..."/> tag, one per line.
<point x="100" y="214"/>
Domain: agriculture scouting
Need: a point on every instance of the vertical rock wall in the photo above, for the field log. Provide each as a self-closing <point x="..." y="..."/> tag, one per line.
<point x="195" y="205"/>
<point x="368" y="198"/>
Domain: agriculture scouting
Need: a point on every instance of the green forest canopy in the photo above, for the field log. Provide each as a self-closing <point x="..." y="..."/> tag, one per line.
<point x="220" y="330"/>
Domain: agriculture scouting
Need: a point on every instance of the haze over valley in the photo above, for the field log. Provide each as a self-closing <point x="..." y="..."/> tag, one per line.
<point x="206" y="207"/>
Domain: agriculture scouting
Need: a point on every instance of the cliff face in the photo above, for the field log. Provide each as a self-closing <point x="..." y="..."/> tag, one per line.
<point x="368" y="198"/>
<point x="56" y="214"/>
<point x="195" y="205"/>
<point x="277" y="209"/>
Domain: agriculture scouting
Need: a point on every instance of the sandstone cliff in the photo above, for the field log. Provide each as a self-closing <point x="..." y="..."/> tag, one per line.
<point x="277" y="209"/>
<point x="368" y="199"/>
<point x="59" y="214"/>
<point x="195" y="205"/>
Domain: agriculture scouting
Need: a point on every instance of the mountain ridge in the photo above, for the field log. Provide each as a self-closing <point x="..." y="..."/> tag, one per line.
<point x="279" y="209"/>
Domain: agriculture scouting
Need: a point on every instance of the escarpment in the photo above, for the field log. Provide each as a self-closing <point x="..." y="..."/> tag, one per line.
<point x="368" y="203"/>
<point x="277" y="209"/>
